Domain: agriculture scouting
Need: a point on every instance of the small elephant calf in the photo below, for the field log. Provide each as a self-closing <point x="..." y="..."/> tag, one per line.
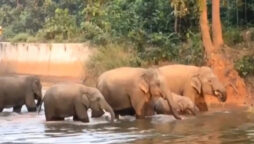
<point x="183" y="104"/>
<point x="70" y="99"/>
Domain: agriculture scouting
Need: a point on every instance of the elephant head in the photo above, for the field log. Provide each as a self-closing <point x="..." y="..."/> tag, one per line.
<point x="152" y="84"/>
<point x="186" y="105"/>
<point x="36" y="88"/>
<point x="97" y="102"/>
<point x="206" y="82"/>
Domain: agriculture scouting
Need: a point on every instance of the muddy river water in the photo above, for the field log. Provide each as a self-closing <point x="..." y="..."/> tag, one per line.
<point x="216" y="126"/>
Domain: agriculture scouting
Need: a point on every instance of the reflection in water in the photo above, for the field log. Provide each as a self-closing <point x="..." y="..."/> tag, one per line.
<point x="232" y="126"/>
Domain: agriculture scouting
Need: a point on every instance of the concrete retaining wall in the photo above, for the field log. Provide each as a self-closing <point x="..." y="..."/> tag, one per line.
<point x="57" y="59"/>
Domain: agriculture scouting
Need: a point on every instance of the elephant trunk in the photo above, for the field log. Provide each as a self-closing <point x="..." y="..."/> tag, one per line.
<point x="38" y="96"/>
<point x="192" y="111"/>
<point x="195" y="110"/>
<point x="39" y="102"/>
<point x="38" y="105"/>
<point x="220" y="92"/>
<point x="172" y="105"/>
<point x="109" y="109"/>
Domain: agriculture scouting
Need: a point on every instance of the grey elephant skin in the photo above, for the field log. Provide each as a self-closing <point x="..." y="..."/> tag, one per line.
<point x="131" y="90"/>
<point x="72" y="99"/>
<point x="16" y="91"/>
<point x="183" y="105"/>
<point x="194" y="82"/>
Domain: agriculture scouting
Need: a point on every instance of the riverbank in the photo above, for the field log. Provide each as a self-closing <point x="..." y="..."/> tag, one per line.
<point x="65" y="62"/>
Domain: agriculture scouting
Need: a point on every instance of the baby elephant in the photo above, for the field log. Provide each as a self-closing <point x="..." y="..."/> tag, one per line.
<point x="70" y="99"/>
<point x="183" y="105"/>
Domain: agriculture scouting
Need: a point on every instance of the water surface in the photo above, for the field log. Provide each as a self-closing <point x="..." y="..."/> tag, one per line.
<point x="223" y="126"/>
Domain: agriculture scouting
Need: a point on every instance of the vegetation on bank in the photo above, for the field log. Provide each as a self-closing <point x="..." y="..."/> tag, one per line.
<point x="245" y="65"/>
<point x="127" y="32"/>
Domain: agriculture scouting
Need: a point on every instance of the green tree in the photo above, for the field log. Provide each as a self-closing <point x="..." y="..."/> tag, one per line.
<point x="60" y="27"/>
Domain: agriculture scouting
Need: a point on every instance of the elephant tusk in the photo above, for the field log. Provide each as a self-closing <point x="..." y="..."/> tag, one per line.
<point x="216" y="92"/>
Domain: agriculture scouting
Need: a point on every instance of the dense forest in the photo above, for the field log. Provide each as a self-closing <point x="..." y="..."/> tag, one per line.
<point x="136" y="32"/>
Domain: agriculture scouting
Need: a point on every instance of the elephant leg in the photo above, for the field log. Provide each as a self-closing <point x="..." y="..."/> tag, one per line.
<point x="117" y="114"/>
<point x="17" y="109"/>
<point x="48" y="117"/>
<point x="31" y="109"/>
<point x="96" y="113"/>
<point x="196" y="98"/>
<point x="149" y="109"/>
<point x="201" y="104"/>
<point x="138" y="103"/>
<point x="75" y="118"/>
<point x="81" y="112"/>
<point x="59" y="118"/>
<point x="49" y="113"/>
<point x="54" y="118"/>
<point x="30" y="104"/>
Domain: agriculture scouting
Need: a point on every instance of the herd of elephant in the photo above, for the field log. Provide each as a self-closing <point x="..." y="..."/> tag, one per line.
<point x="170" y="89"/>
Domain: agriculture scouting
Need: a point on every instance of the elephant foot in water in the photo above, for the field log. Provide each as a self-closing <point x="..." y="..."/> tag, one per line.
<point x="17" y="109"/>
<point x="202" y="107"/>
<point x="75" y="118"/>
<point x="124" y="112"/>
<point x="97" y="113"/>
<point x="55" y="119"/>
<point x="32" y="109"/>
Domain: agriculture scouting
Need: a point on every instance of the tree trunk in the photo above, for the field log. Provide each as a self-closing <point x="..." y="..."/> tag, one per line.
<point x="176" y="23"/>
<point x="216" y="24"/>
<point x="205" y="30"/>
<point x="17" y="3"/>
<point x="222" y="67"/>
<point x="36" y="2"/>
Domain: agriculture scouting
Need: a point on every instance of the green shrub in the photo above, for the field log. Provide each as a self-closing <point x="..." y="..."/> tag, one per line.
<point x="245" y="66"/>
<point x="21" y="37"/>
<point x="109" y="57"/>
<point x="232" y="36"/>
<point x="60" y="27"/>
<point x="94" y="33"/>
<point x="158" y="47"/>
<point x="32" y="39"/>
<point x="8" y="33"/>
<point x="192" y="51"/>
<point x="170" y="47"/>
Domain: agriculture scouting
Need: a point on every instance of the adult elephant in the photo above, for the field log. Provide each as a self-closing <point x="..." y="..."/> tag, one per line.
<point x="193" y="82"/>
<point x="15" y="91"/>
<point x="131" y="90"/>
<point x="71" y="99"/>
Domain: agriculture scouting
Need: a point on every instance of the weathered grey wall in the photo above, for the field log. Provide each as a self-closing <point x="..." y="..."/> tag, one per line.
<point x="57" y="59"/>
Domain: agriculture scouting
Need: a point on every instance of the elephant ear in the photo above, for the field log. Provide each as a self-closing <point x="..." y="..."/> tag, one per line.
<point x="36" y="86"/>
<point x="143" y="86"/>
<point x="85" y="100"/>
<point x="196" y="84"/>
<point x="146" y="77"/>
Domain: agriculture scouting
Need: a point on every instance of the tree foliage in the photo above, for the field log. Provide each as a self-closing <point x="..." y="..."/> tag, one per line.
<point x="160" y="30"/>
